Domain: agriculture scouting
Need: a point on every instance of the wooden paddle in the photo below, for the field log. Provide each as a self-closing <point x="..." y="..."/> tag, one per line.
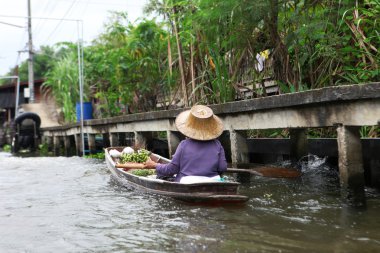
<point x="263" y="171"/>
<point x="268" y="171"/>
<point x="130" y="166"/>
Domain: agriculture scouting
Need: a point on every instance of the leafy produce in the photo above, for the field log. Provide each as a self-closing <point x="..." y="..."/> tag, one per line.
<point x="140" y="156"/>
<point x="143" y="172"/>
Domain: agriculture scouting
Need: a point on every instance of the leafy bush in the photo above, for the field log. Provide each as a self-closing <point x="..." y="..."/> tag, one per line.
<point x="7" y="148"/>
<point x="100" y="155"/>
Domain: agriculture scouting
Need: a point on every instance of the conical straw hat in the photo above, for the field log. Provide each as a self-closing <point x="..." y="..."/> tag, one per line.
<point x="199" y="123"/>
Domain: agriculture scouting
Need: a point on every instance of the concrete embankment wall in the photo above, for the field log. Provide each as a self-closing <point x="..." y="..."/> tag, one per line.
<point x="345" y="108"/>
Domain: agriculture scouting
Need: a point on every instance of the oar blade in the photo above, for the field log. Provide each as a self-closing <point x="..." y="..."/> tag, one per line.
<point x="278" y="172"/>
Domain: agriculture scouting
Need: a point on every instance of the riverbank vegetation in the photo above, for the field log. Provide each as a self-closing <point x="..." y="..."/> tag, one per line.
<point x="215" y="51"/>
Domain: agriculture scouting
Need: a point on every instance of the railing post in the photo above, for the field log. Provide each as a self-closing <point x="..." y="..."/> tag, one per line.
<point x="351" y="164"/>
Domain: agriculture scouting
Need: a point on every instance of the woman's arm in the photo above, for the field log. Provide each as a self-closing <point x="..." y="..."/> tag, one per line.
<point x="168" y="169"/>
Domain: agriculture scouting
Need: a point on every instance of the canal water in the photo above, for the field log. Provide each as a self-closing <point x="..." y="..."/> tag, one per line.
<point x="70" y="205"/>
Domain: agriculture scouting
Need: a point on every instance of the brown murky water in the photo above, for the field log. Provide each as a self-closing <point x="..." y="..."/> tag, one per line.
<point x="71" y="205"/>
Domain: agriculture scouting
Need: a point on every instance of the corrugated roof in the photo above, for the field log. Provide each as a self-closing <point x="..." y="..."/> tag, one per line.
<point x="22" y="84"/>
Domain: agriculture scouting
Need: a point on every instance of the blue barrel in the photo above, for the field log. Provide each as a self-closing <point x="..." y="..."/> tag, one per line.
<point x="87" y="111"/>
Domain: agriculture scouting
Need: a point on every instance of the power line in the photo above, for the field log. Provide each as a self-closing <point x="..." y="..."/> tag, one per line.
<point x="107" y="3"/>
<point x="61" y="20"/>
<point x="84" y="8"/>
<point x="5" y="23"/>
<point x="41" y="22"/>
<point x="24" y="17"/>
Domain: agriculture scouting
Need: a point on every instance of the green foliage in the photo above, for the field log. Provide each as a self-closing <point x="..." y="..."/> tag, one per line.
<point x="360" y="55"/>
<point x="142" y="172"/>
<point x="43" y="61"/>
<point x="326" y="132"/>
<point x="125" y="64"/>
<point x="7" y="148"/>
<point x="370" y="132"/>
<point x="204" y="50"/>
<point x="268" y="133"/>
<point x="140" y="156"/>
<point x="331" y="42"/>
<point x="43" y="149"/>
<point x="222" y="88"/>
<point x="63" y="81"/>
<point x="100" y="155"/>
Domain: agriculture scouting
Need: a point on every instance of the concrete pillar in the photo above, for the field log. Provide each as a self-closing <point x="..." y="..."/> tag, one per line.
<point x="174" y="138"/>
<point x="224" y="139"/>
<point x="78" y="144"/>
<point x="298" y="143"/>
<point x="106" y="140"/>
<point x="57" y="145"/>
<point x="114" y="139"/>
<point x="239" y="147"/>
<point x="67" y="145"/>
<point x="140" y="140"/>
<point x="351" y="164"/>
<point x="91" y="143"/>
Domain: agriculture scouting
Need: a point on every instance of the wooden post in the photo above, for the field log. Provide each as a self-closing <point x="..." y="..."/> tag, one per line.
<point x="298" y="143"/>
<point x="351" y="164"/>
<point x="239" y="147"/>
<point x="174" y="138"/>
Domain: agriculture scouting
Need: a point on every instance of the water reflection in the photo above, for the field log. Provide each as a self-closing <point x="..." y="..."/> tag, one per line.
<point x="72" y="205"/>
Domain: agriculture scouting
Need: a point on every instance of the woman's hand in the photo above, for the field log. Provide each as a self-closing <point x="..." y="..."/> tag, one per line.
<point x="149" y="164"/>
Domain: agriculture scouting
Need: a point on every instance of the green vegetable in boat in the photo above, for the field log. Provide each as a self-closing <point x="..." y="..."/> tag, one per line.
<point x="143" y="172"/>
<point x="140" y="156"/>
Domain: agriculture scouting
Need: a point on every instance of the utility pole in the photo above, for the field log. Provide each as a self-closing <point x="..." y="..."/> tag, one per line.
<point x="30" y="60"/>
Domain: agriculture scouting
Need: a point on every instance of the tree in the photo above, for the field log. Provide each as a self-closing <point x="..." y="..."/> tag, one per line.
<point x="62" y="80"/>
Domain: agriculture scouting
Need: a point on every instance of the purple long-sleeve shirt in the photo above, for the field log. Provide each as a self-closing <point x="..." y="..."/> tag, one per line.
<point x="195" y="158"/>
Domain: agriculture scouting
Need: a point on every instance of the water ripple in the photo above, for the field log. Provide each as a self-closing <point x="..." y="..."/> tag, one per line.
<point x="72" y="205"/>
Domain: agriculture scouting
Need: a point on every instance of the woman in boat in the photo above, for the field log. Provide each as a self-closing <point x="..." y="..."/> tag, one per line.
<point x="200" y="157"/>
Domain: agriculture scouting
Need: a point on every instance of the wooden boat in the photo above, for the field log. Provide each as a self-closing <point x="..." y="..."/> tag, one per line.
<point x="209" y="192"/>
